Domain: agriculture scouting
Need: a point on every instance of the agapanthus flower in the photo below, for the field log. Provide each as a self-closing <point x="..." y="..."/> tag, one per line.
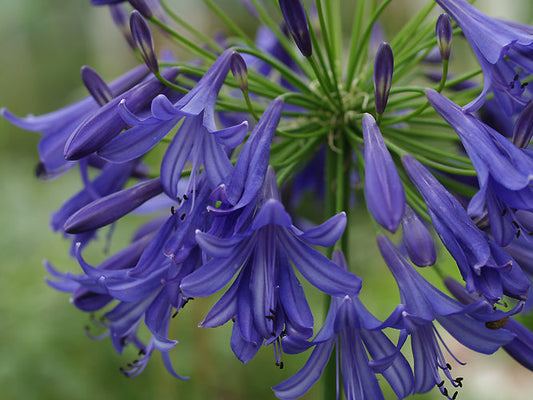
<point x="503" y="51"/>
<point x="501" y="167"/>
<point x="57" y="126"/>
<point x="353" y="330"/>
<point x="264" y="252"/>
<point x="484" y="265"/>
<point x="422" y="304"/>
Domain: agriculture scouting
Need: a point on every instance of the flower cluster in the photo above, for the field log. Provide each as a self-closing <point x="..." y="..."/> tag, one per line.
<point x="221" y="161"/>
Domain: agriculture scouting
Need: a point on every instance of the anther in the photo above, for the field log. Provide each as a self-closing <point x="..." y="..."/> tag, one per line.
<point x="445" y="392"/>
<point x="448" y="366"/>
<point x="511" y="84"/>
<point x="142" y="352"/>
<point x="523" y="85"/>
<point x="281" y="365"/>
<point x="179" y="200"/>
<point x="516" y="224"/>
<point x="270" y="317"/>
<point x="172" y="210"/>
<point x="174" y="315"/>
<point x="516" y="77"/>
<point x="498" y="324"/>
<point x="518" y="233"/>
<point x="440" y="384"/>
<point x="455" y="395"/>
<point x="504" y="212"/>
<point x="182" y="216"/>
<point x="185" y="197"/>
<point x="272" y="312"/>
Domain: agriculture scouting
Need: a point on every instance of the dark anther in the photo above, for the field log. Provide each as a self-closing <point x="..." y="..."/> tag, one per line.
<point x="283" y="334"/>
<point x="445" y="392"/>
<point x="142" y="352"/>
<point x="455" y="395"/>
<point x="273" y="334"/>
<point x="270" y="317"/>
<point x="516" y="77"/>
<point x="459" y="381"/>
<point x="185" y="197"/>
<point x="516" y="225"/>
<point x="130" y="365"/>
<point x="123" y="341"/>
<point x="518" y="233"/>
<point x="179" y="200"/>
<point x="232" y="319"/>
<point x="272" y="312"/>
<point x="135" y="362"/>
<point x="523" y="85"/>
<point x="504" y="212"/>
<point x="530" y="233"/>
<point x="440" y="384"/>
<point x="281" y="365"/>
<point x="182" y="216"/>
<point x="498" y="324"/>
<point x="448" y="366"/>
<point x="511" y="84"/>
<point x="172" y="211"/>
<point x="174" y="315"/>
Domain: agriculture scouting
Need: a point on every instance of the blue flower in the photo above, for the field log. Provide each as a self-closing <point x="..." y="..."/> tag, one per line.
<point x="56" y="127"/>
<point x="500" y="165"/>
<point x="197" y="139"/>
<point x="421" y="304"/>
<point x="504" y="52"/>
<point x="483" y="265"/>
<point x="354" y="330"/>
<point x="264" y="251"/>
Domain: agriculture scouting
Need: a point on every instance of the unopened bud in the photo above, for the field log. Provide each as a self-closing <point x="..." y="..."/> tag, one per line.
<point x="239" y="71"/>
<point x="444" y="33"/>
<point x="523" y="127"/>
<point x="142" y="36"/>
<point x="383" y="69"/>
<point x="417" y="239"/>
<point x="296" y="20"/>
<point x="96" y="86"/>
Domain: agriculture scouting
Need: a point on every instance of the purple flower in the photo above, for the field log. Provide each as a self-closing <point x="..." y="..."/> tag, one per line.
<point x="354" y="330"/>
<point x="444" y="33"/>
<point x="142" y="36"/>
<point x="294" y="14"/>
<point x="504" y="52"/>
<point x="57" y="126"/>
<point x="267" y="296"/>
<point x="483" y="265"/>
<point x="421" y="304"/>
<point x="500" y="165"/>
<point x="197" y="139"/>
<point x="385" y="197"/>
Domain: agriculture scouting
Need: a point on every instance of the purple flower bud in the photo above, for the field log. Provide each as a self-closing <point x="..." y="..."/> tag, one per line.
<point x="108" y="209"/>
<point x="444" y="33"/>
<point x="383" y="68"/>
<point x="142" y="37"/>
<point x="417" y="239"/>
<point x="523" y="127"/>
<point x="384" y="192"/>
<point x="143" y="7"/>
<point x="120" y="18"/>
<point x="239" y="71"/>
<point x="296" y="19"/>
<point x="96" y="85"/>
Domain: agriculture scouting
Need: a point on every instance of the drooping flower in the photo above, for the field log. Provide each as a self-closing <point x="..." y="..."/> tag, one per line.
<point x="57" y="126"/>
<point x="503" y="51"/>
<point x="263" y="254"/>
<point x="483" y="265"/>
<point x="421" y="304"/>
<point x="353" y="330"/>
<point x="500" y="165"/>
<point x="385" y="196"/>
<point x="197" y="139"/>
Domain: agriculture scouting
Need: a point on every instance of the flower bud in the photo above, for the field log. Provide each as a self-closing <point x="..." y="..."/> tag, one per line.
<point x="383" y="68"/>
<point x="523" y="127"/>
<point x="142" y="36"/>
<point x="417" y="239"/>
<point x="108" y="209"/>
<point x="296" y="19"/>
<point x="96" y="86"/>
<point x="239" y="71"/>
<point x="444" y="33"/>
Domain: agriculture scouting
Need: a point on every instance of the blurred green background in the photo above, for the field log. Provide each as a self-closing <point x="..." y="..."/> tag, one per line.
<point x="44" y="352"/>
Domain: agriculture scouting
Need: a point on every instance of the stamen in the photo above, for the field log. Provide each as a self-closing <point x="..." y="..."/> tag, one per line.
<point x="523" y="85"/>
<point x="440" y="384"/>
<point x="172" y="210"/>
<point x="182" y="216"/>
<point x="455" y="395"/>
